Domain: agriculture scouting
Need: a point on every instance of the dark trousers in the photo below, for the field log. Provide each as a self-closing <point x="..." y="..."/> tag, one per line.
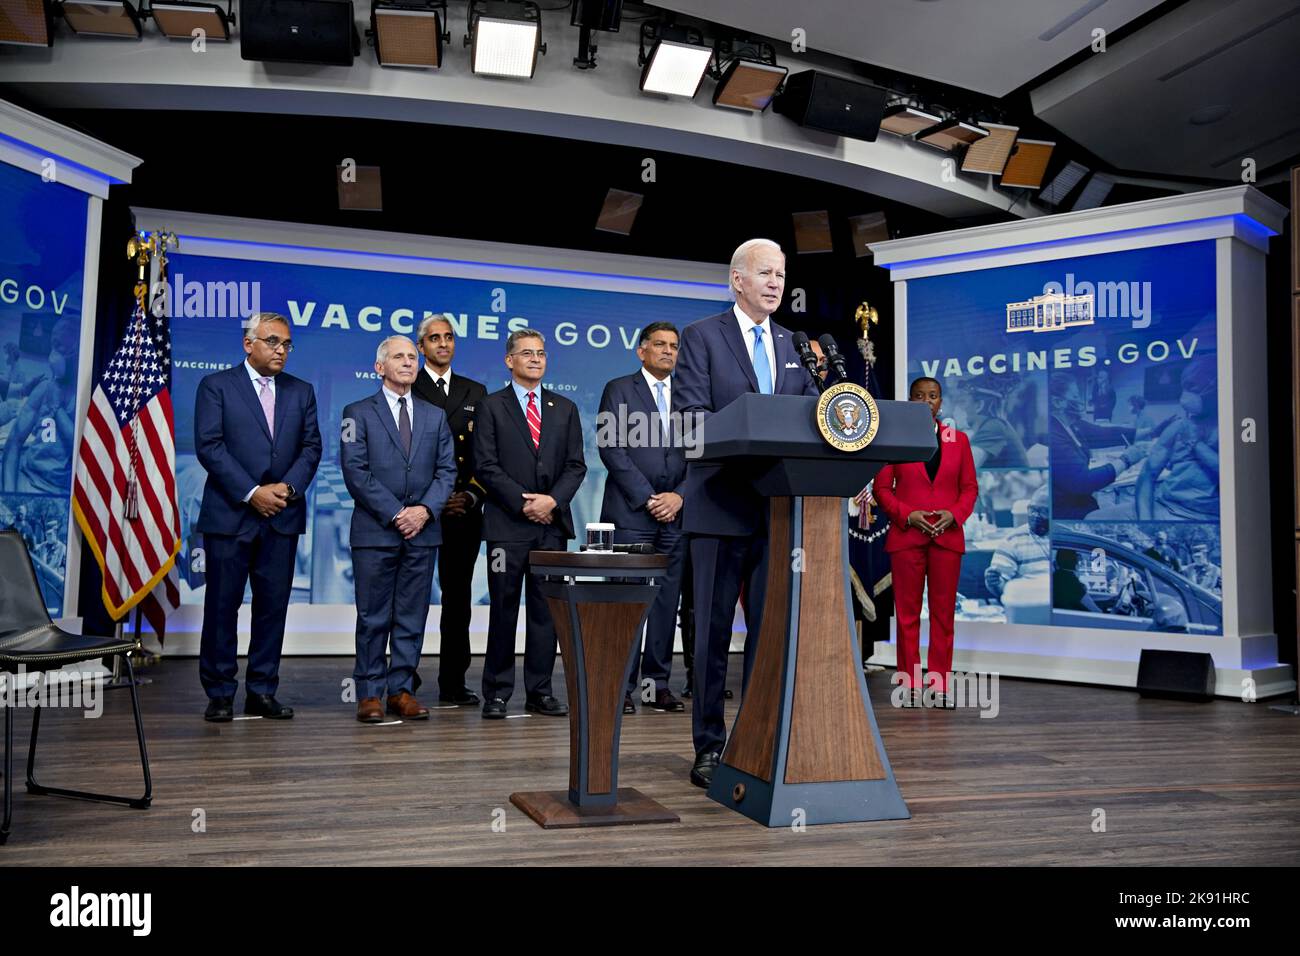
<point x="661" y="626"/>
<point x="392" y="586"/>
<point x="265" y="558"/>
<point x="507" y="570"/>
<point x="721" y="566"/>
<point x="687" y="618"/>
<point x="461" y="537"/>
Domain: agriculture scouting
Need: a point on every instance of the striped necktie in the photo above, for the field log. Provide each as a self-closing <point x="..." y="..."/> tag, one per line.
<point x="534" y="420"/>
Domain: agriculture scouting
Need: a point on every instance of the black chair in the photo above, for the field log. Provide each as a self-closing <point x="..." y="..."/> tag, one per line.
<point x="29" y="639"/>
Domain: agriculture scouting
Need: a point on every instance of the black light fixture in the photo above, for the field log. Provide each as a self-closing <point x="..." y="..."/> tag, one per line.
<point x="102" y="18"/>
<point x="409" y="33"/>
<point x="178" y="19"/>
<point x="1063" y="183"/>
<point x="505" y="37"/>
<point x="588" y="15"/>
<point x="676" y="61"/>
<point x="747" y="73"/>
<point x="27" y="23"/>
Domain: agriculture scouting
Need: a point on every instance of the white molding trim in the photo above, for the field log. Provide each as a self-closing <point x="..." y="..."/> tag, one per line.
<point x="87" y="164"/>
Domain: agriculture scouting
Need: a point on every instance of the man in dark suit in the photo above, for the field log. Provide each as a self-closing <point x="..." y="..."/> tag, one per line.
<point x="528" y="456"/>
<point x="256" y="435"/>
<point x="398" y="465"/>
<point x="643" y="493"/>
<point x="462" y="518"/>
<point x="1073" y="478"/>
<point x="723" y="357"/>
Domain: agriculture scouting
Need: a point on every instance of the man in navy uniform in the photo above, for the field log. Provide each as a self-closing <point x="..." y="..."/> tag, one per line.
<point x="643" y="493"/>
<point x="723" y="357"/>
<point x="462" y="518"/>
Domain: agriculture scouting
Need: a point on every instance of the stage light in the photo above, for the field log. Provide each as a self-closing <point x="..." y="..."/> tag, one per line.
<point x="505" y="38"/>
<point x="904" y="120"/>
<point x="747" y="74"/>
<point x="1095" y="192"/>
<point x="990" y="154"/>
<point x="868" y="228"/>
<point x="1063" y="183"/>
<point x="1028" y="164"/>
<point x="677" y="61"/>
<point x="409" y="32"/>
<point x="618" y="212"/>
<point x="178" y="19"/>
<point x="102" y="18"/>
<point x="812" y="231"/>
<point x="27" y="23"/>
<point x="950" y="134"/>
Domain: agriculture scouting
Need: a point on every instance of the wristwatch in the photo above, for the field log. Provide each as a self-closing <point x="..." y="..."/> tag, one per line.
<point x="293" y="492"/>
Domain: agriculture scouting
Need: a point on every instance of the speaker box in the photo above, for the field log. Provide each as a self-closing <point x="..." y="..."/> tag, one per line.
<point x="1176" y="675"/>
<point x="832" y="104"/>
<point x="298" y="31"/>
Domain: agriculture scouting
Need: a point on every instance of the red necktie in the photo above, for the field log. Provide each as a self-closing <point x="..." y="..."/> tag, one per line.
<point x="534" y="420"/>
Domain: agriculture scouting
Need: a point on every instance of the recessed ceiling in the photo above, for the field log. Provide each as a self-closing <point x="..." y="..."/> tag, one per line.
<point x="990" y="46"/>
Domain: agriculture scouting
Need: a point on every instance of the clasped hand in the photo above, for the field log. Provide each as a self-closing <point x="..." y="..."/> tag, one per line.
<point x="918" y="520"/>
<point x="269" y="500"/>
<point x="538" y="508"/>
<point x="411" y="520"/>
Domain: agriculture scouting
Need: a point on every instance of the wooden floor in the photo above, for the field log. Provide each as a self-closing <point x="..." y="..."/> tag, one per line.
<point x="1183" y="784"/>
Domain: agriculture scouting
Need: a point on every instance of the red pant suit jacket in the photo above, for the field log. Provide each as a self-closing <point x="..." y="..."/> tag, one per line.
<point x="904" y="488"/>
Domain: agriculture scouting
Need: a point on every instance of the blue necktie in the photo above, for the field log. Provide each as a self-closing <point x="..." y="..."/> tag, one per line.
<point x="663" y="409"/>
<point x="761" y="367"/>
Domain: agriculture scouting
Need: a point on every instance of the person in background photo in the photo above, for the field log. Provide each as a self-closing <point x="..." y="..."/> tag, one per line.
<point x="927" y="504"/>
<point x="44" y="465"/>
<point x="1026" y="551"/>
<point x="1068" y="592"/>
<point x="1180" y="478"/>
<point x="1074" y="479"/>
<point x="1103" y="395"/>
<point x="994" y="442"/>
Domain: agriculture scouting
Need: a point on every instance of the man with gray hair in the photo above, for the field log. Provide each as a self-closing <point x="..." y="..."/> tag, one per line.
<point x="398" y="464"/>
<point x="257" y="437"/>
<point x="723" y="357"/>
<point x="528" y="455"/>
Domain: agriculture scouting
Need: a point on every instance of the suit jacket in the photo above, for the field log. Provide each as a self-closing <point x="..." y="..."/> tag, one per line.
<point x="236" y="449"/>
<point x="636" y="473"/>
<point x="383" y="479"/>
<point x="904" y="488"/>
<point x="463" y="397"/>
<point x="1073" y="478"/>
<point x="713" y="370"/>
<point x="507" y="465"/>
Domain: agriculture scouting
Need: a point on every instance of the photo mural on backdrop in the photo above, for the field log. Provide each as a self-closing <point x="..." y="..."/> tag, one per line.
<point x="339" y="316"/>
<point x="42" y="271"/>
<point x="1088" y="388"/>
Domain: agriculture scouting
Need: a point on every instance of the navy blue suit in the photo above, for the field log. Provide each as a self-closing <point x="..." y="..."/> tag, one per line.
<point x="1073" y="478"/>
<point x="725" y="518"/>
<point x="237" y="450"/>
<point x="507" y="465"/>
<point x="636" y="473"/>
<point x="393" y="575"/>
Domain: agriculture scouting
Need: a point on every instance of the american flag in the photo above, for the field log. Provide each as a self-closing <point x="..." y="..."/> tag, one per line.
<point x="124" y="493"/>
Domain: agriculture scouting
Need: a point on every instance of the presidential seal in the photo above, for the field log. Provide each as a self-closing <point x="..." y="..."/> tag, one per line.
<point x="847" y="416"/>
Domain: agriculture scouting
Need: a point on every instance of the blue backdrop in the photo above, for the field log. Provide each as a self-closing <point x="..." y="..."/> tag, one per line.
<point x="42" y="256"/>
<point x="339" y="316"/>
<point x="1088" y="387"/>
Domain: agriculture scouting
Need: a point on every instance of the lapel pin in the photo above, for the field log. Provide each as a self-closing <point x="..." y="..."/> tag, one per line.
<point x="550" y="404"/>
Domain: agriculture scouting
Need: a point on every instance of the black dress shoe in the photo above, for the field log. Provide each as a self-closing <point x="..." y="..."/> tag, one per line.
<point x="705" y="764"/>
<point x="495" y="709"/>
<point x="665" y="701"/>
<point x="686" y="691"/>
<point x="463" y="697"/>
<point x="547" y="706"/>
<point x="220" y="710"/>
<point x="628" y="706"/>
<point x="265" y="705"/>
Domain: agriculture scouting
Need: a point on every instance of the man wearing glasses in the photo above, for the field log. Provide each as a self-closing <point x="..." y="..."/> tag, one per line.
<point x="528" y="455"/>
<point x="256" y="435"/>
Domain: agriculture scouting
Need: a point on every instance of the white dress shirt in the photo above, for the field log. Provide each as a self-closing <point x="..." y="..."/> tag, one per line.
<point x="746" y="323"/>
<point x="445" y="377"/>
<point x="393" y="407"/>
<point x="254" y="374"/>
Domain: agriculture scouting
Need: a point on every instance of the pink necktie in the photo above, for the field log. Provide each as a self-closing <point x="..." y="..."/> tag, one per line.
<point x="533" y="414"/>
<point x="267" y="398"/>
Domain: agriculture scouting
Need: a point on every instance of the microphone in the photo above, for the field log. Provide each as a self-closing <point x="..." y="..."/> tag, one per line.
<point x="833" y="357"/>
<point x="809" y="359"/>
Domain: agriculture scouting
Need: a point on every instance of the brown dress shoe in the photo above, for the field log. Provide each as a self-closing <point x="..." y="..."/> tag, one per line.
<point x="370" y="710"/>
<point x="405" y="705"/>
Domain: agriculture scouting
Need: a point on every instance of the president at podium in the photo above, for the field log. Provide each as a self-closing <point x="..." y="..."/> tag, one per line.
<point x="723" y="357"/>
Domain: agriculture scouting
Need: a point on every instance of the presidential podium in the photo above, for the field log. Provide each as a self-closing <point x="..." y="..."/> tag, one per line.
<point x="805" y="746"/>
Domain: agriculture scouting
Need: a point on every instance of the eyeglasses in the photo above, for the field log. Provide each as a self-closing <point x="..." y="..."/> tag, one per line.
<point x="530" y="353"/>
<point x="275" y="343"/>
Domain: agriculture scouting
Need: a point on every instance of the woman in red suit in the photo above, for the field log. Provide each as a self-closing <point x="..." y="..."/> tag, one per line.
<point x="927" y="504"/>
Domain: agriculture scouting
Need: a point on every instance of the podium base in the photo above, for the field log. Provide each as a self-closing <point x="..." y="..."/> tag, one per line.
<point x="552" y="810"/>
<point x="809" y="804"/>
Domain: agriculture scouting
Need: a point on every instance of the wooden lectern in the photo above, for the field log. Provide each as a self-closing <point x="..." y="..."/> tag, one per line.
<point x="805" y="745"/>
<point x="599" y="625"/>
